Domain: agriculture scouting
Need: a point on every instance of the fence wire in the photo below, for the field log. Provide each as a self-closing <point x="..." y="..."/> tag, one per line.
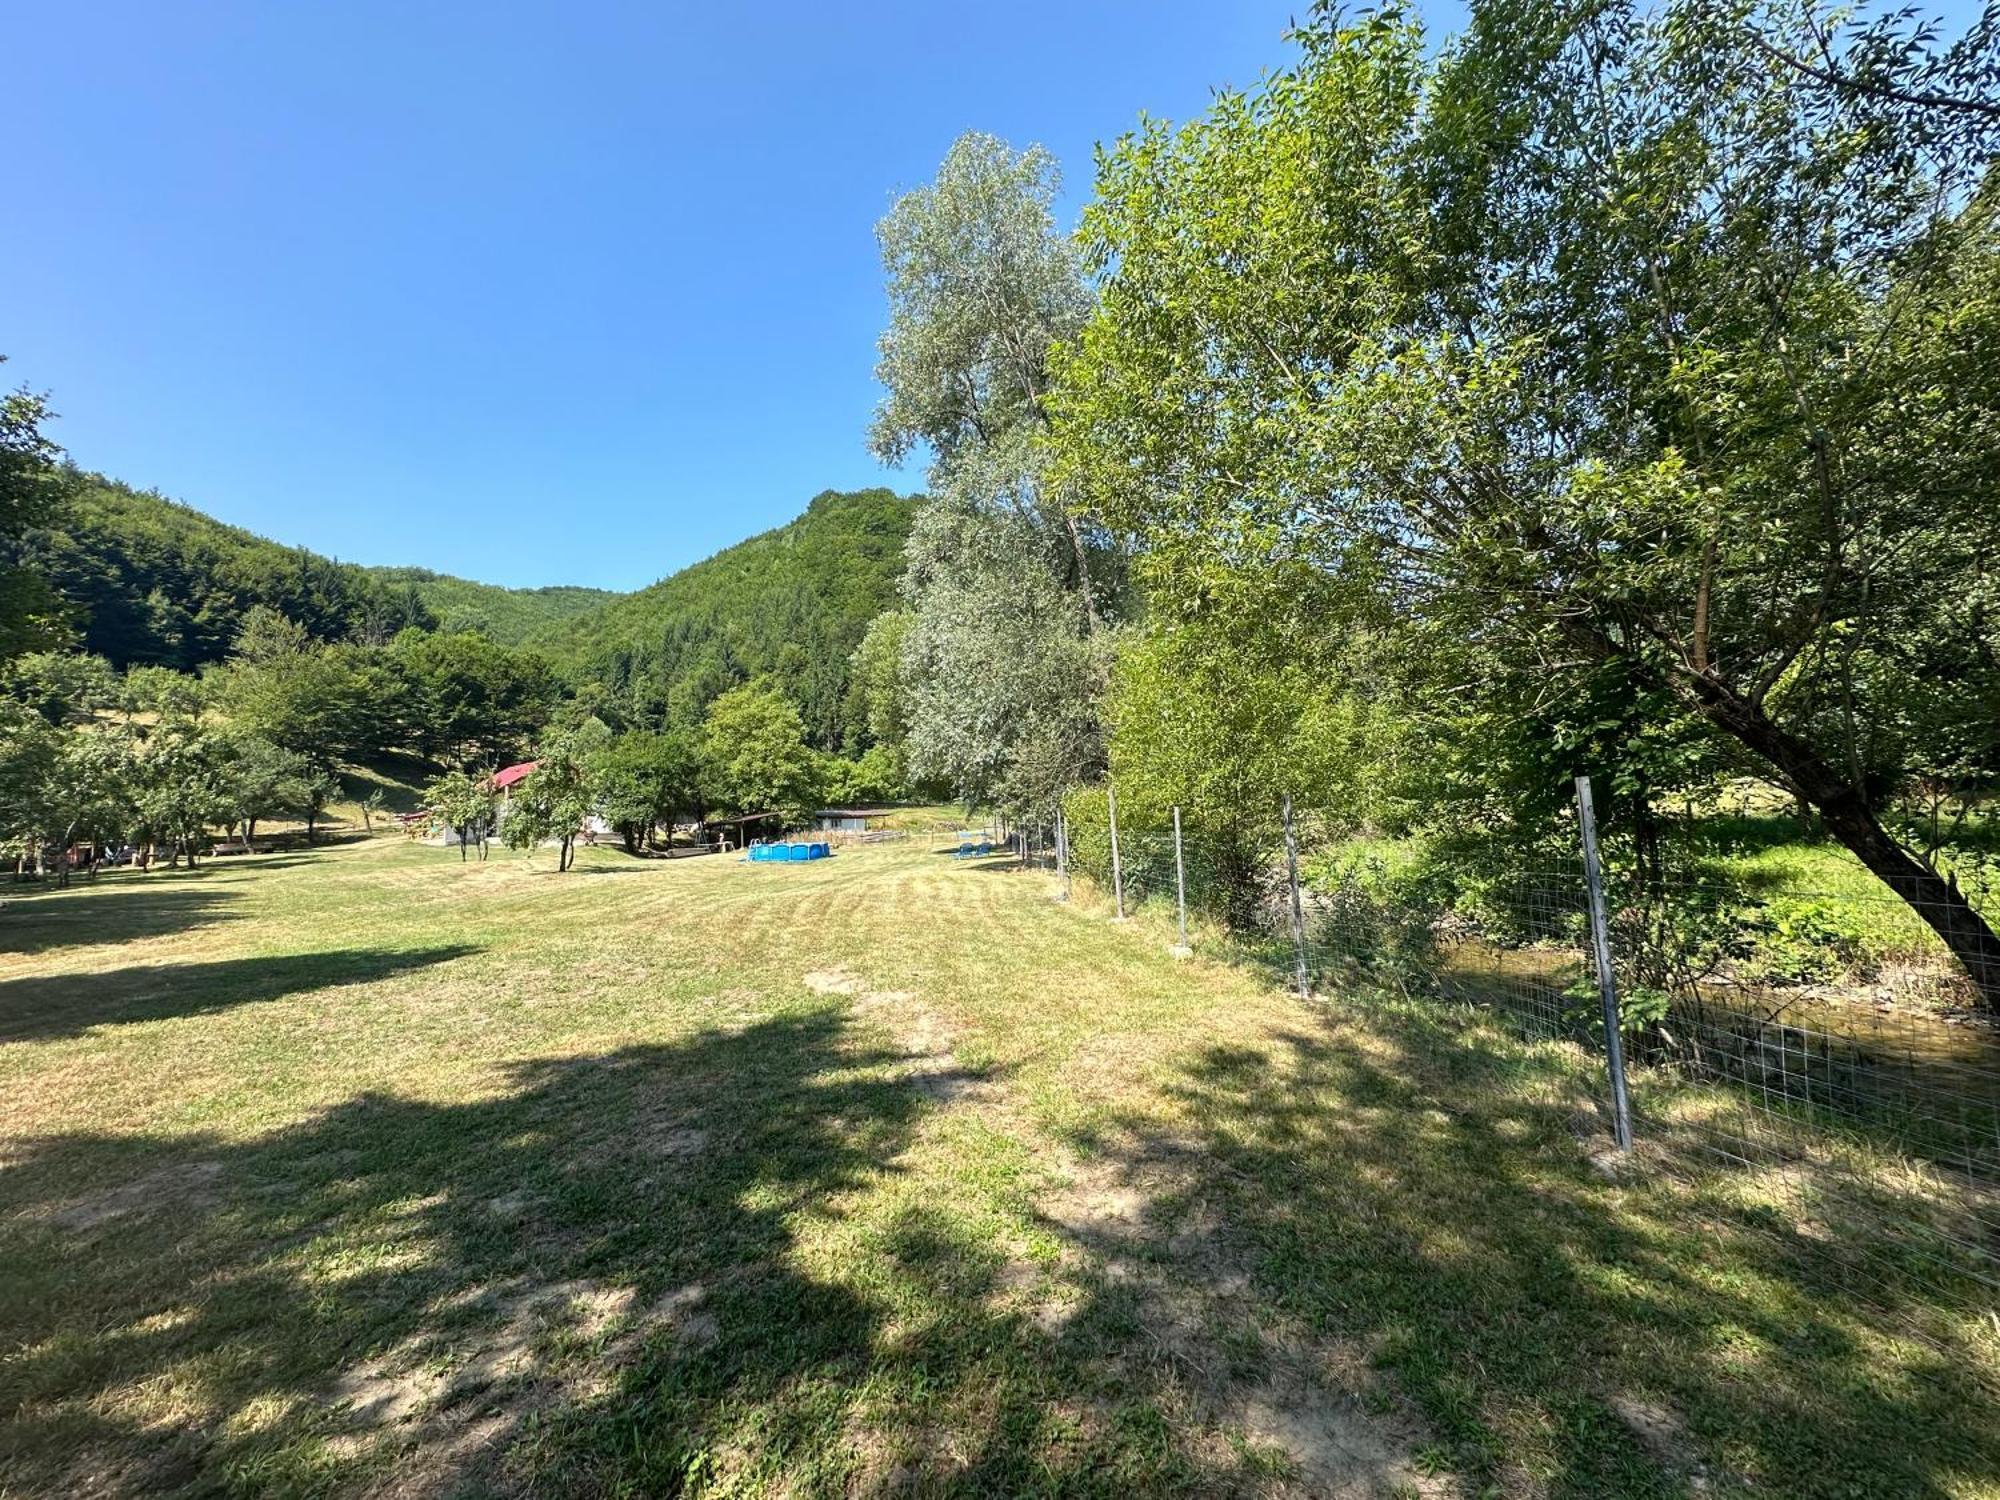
<point x="1772" y="1053"/>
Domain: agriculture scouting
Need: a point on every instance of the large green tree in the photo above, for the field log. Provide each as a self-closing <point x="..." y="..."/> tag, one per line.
<point x="465" y="698"/>
<point x="1609" y="344"/>
<point x="755" y="755"/>
<point x="644" y="779"/>
<point x="322" y="702"/>
<point x="1007" y="586"/>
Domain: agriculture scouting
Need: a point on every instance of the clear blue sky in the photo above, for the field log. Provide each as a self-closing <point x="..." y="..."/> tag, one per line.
<point x="527" y="293"/>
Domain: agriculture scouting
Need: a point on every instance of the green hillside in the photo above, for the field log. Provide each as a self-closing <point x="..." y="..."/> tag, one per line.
<point x="509" y="616"/>
<point x="792" y="603"/>
<point x="149" y="581"/>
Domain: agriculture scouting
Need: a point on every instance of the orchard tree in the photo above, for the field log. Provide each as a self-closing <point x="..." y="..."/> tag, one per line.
<point x="182" y="786"/>
<point x="29" y="746"/>
<point x="1658" y="348"/>
<point x="317" y="787"/>
<point x="262" y="781"/>
<point x="465" y="801"/>
<point x="558" y="797"/>
<point x="89" y="791"/>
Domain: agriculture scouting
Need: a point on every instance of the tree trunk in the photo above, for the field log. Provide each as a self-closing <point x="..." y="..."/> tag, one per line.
<point x="461" y="844"/>
<point x="1082" y="573"/>
<point x="1845" y="813"/>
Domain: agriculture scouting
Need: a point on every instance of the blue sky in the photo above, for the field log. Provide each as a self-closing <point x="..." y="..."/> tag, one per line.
<point x="531" y="294"/>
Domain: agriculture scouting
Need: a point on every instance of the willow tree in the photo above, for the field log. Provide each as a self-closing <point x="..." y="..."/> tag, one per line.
<point x="1662" y="344"/>
<point x="1005" y="584"/>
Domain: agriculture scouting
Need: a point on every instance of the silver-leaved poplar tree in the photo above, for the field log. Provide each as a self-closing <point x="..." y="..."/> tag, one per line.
<point x="1009" y="589"/>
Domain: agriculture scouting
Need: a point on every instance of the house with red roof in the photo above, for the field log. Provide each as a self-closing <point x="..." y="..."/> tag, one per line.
<point x="502" y="780"/>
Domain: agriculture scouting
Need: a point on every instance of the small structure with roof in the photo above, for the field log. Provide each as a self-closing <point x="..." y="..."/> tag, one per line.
<point x="505" y="780"/>
<point x="850" y="819"/>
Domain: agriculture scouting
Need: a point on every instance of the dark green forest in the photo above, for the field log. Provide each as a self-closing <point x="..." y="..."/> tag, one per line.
<point x="144" y="581"/>
<point x="791" y="605"/>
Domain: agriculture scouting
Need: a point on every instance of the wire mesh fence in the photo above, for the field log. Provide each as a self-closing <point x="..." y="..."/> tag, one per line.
<point x="1815" y="1050"/>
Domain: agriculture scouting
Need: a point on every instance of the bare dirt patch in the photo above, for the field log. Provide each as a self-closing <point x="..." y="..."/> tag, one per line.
<point x="457" y="1397"/>
<point x="189" y="1185"/>
<point x="928" y="1039"/>
<point x="832" y="982"/>
<point x="376" y="1394"/>
<point x="1253" y="1380"/>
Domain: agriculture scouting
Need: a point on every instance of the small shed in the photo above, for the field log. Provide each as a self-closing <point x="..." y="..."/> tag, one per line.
<point x="849" y="819"/>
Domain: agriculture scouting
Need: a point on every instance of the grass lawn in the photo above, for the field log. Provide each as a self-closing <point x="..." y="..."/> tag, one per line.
<point x="365" y="1171"/>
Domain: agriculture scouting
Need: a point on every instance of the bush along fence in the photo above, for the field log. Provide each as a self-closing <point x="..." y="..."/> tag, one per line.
<point x="1812" y="1052"/>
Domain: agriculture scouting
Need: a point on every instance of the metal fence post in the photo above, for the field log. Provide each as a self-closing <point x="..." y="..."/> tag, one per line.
<point x="1180" y="885"/>
<point x="1298" y="907"/>
<point x="1062" y="851"/>
<point x="1117" y="870"/>
<point x="1607" y="979"/>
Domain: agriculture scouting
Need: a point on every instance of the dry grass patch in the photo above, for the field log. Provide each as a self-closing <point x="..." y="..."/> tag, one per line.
<point x="369" y="1172"/>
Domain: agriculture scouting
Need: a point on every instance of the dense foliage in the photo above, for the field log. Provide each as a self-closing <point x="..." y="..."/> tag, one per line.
<point x="510" y="616"/>
<point x="791" y="604"/>
<point x="147" y="581"/>
<point x="1639" y="377"/>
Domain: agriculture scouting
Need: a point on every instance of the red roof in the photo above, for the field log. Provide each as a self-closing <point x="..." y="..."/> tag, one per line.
<point x="504" y="779"/>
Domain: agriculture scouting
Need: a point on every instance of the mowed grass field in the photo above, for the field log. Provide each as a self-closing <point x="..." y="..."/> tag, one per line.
<point x="368" y="1172"/>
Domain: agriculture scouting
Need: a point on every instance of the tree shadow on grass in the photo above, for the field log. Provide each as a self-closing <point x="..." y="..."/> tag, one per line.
<point x="661" y="1270"/>
<point x="413" y="1284"/>
<point x="123" y="913"/>
<point x="605" y="1279"/>
<point x="1413" y="1189"/>
<point x="42" y="1008"/>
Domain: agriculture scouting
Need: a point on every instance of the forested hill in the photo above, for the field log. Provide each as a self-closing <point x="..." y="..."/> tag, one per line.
<point x="792" y="603"/>
<point x="509" y="616"/>
<point x="151" y="582"/>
